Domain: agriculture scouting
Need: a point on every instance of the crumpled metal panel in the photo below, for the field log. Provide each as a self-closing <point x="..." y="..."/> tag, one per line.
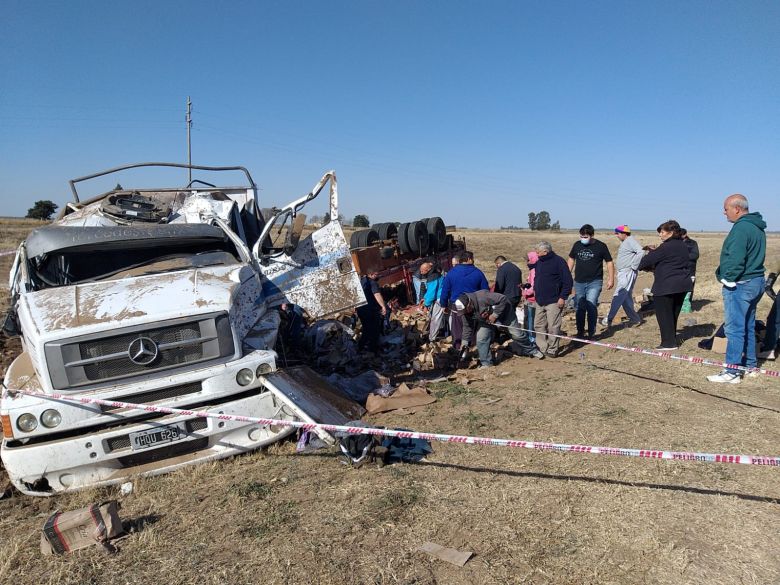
<point x="202" y="206"/>
<point x="313" y="398"/>
<point x="319" y="275"/>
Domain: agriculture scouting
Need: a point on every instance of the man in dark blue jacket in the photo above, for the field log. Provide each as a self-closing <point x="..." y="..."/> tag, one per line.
<point x="552" y="286"/>
<point x="462" y="278"/>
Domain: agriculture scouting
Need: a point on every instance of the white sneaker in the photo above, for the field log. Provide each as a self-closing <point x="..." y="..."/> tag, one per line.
<point x="725" y="378"/>
<point x="605" y="322"/>
<point x="766" y="355"/>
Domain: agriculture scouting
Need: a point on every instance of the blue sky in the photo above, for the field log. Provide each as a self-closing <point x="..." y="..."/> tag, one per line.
<point x="599" y="112"/>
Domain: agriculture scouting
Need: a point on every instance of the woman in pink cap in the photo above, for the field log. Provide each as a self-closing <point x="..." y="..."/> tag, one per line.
<point x="528" y="294"/>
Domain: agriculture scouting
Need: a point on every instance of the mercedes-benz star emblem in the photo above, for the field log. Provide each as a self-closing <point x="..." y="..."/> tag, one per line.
<point x="142" y="351"/>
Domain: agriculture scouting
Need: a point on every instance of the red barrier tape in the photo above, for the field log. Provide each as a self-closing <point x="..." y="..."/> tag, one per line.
<point x="654" y="353"/>
<point x="468" y="440"/>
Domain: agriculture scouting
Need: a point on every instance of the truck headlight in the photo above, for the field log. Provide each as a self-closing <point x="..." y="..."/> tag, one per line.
<point x="245" y="377"/>
<point x="51" y="418"/>
<point x="263" y="368"/>
<point x="27" y="422"/>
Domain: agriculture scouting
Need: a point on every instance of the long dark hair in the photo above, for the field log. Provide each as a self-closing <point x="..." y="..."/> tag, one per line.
<point x="671" y="226"/>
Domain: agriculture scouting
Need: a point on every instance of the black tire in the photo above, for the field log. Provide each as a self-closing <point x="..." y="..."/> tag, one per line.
<point x="354" y="240"/>
<point x="449" y="242"/>
<point x="386" y="231"/>
<point x="363" y="238"/>
<point x="417" y="237"/>
<point x="403" y="240"/>
<point x="368" y="237"/>
<point x="437" y="234"/>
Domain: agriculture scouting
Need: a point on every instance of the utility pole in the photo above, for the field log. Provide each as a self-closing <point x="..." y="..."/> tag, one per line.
<point x="188" y="118"/>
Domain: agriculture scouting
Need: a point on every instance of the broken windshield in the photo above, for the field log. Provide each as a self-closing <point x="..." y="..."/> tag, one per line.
<point x="75" y="266"/>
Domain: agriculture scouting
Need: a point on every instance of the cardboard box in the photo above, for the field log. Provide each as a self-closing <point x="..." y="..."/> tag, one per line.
<point x="719" y="344"/>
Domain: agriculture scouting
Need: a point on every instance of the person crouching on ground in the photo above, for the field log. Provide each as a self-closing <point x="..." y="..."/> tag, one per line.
<point x="672" y="280"/>
<point x="552" y="286"/>
<point x="371" y="314"/>
<point x="481" y="310"/>
<point x="629" y="255"/>
<point x="772" y="335"/>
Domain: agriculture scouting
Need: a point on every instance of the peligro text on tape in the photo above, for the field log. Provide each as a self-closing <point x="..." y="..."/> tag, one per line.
<point x="772" y="461"/>
<point x="650" y="352"/>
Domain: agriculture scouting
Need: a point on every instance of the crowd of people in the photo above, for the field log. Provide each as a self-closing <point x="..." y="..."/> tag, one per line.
<point x="463" y="304"/>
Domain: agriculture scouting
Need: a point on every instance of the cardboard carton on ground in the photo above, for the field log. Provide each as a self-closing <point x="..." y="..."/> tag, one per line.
<point x="719" y="344"/>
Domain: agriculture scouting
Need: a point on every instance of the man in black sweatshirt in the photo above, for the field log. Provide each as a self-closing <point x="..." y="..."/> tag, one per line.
<point x="508" y="280"/>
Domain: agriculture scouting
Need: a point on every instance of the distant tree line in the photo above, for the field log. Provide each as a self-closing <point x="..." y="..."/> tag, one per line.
<point x="541" y="222"/>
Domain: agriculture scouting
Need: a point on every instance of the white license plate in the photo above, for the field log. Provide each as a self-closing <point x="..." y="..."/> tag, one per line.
<point x="157" y="436"/>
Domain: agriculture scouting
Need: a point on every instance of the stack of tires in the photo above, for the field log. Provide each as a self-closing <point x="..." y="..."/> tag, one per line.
<point x="418" y="238"/>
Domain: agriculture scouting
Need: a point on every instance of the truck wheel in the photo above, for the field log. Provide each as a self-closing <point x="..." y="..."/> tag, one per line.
<point x="417" y="238"/>
<point x="437" y="233"/>
<point x="386" y="231"/>
<point x="368" y="237"/>
<point x="403" y="239"/>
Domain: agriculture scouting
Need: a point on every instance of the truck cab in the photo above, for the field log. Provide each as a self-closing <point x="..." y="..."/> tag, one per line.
<point x="169" y="297"/>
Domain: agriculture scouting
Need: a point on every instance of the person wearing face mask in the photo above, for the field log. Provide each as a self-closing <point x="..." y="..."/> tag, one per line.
<point x="672" y="280"/>
<point x="587" y="258"/>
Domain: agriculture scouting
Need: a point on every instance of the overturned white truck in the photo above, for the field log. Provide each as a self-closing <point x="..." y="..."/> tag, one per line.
<point x="165" y="296"/>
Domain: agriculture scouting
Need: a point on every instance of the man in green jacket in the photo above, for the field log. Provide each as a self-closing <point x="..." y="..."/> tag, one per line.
<point x="741" y="271"/>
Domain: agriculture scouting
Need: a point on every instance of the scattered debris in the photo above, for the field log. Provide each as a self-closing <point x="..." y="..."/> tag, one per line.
<point x="359" y="387"/>
<point x="96" y="524"/>
<point x="403" y="397"/>
<point x="126" y="488"/>
<point x="451" y="555"/>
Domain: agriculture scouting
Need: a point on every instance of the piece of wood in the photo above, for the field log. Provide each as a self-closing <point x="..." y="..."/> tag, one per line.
<point x="451" y="555"/>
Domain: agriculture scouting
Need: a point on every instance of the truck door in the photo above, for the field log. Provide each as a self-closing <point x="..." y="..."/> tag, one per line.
<point x="315" y="272"/>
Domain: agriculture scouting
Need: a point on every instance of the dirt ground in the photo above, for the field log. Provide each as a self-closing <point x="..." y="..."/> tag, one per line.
<point x="529" y="517"/>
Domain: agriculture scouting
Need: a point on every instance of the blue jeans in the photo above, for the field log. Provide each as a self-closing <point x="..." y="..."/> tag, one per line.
<point x="417" y="284"/>
<point x="739" y="305"/>
<point x="530" y="315"/>
<point x="586" y="299"/>
<point x="521" y="345"/>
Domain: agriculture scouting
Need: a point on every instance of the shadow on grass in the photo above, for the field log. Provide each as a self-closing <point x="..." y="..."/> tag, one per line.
<point x="582" y="478"/>
<point x="601" y="480"/>
<point x="683" y="386"/>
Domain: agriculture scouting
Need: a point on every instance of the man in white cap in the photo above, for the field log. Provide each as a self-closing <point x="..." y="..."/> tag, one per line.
<point x="481" y="310"/>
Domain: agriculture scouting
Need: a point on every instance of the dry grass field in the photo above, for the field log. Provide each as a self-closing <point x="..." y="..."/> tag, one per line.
<point x="529" y="517"/>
